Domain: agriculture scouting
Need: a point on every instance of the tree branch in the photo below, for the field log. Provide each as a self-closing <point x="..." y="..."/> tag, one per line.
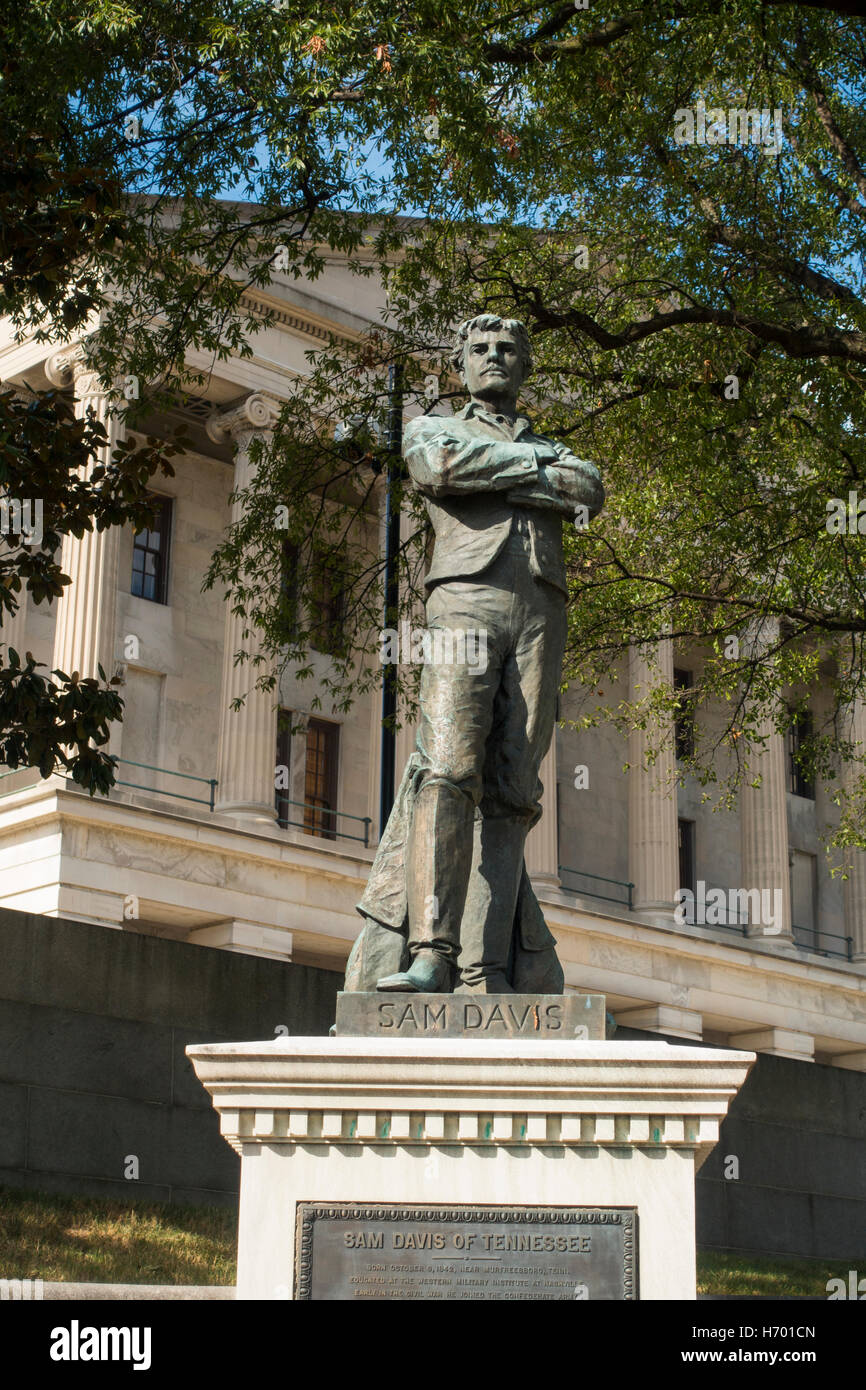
<point x="532" y="50"/>
<point x="796" y="342"/>
<point x="825" y="115"/>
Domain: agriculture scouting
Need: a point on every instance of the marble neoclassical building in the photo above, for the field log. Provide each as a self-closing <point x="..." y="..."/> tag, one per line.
<point x="194" y="844"/>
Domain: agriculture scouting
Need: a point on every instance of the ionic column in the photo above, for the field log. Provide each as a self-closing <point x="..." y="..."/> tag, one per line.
<point x="653" y="857"/>
<point x="854" y="887"/>
<point x="84" y="635"/>
<point x="248" y="735"/>
<point x="764" y="825"/>
<point x="764" y="837"/>
<point x="541" y="854"/>
<point x="12" y="625"/>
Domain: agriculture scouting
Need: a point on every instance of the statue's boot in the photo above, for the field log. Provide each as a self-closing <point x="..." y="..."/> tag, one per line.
<point x="488" y="926"/>
<point x="429" y="973"/>
<point x="438" y="861"/>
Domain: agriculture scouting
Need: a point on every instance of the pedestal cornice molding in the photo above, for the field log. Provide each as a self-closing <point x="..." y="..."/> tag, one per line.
<point x="359" y="1091"/>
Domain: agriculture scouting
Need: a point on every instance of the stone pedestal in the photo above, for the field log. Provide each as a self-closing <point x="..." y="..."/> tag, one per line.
<point x="453" y="1126"/>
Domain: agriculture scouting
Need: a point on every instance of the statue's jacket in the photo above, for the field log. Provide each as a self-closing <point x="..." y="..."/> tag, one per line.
<point x="471" y="475"/>
<point x="474" y="471"/>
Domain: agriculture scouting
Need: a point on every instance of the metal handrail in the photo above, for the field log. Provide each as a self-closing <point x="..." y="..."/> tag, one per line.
<point x="210" y="801"/>
<point x="817" y="933"/>
<point x="14" y="772"/>
<point x="366" y="821"/>
<point x="741" y="927"/>
<point x="737" y="924"/>
<point x="210" y="782"/>
<point x="744" y="927"/>
<point x="600" y="878"/>
<point x="190" y="777"/>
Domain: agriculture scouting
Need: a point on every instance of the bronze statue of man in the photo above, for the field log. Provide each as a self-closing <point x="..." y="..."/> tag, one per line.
<point x="449" y="903"/>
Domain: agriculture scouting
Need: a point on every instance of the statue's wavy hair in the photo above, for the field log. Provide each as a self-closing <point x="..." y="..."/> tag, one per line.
<point x="489" y="323"/>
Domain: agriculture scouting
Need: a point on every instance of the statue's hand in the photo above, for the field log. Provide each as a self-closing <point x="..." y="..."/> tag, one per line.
<point x="545" y="493"/>
<point x="545" y="454"/>
<point x="579" y="483"/>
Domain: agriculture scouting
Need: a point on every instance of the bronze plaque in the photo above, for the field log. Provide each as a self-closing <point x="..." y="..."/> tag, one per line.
<point x="353" y="1250"/>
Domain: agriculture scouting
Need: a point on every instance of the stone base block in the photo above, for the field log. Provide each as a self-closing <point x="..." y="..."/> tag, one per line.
<point x="556" y="1127"/>
<point x="661" y="1018"/>
<point x="249" y="938"/>
<point x="778" y="1042"/>
<point x="851" y="1061"/>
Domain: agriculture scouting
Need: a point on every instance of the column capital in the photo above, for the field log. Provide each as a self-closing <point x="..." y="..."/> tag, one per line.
<point x="69" y="367"/>
<point x="62" y="366"/>
<point x="258" y="411"/>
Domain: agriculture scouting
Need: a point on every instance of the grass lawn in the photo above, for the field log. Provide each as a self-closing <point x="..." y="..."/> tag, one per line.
<point x="88" y="1240"/>
<point x="722" y="1272"/>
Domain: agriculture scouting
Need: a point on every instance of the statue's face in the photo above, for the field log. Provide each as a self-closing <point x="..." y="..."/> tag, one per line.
<point x="492" y="364"/>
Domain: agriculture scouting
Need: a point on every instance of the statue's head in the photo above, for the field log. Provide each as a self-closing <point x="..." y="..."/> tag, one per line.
<point x="493" y="356"/>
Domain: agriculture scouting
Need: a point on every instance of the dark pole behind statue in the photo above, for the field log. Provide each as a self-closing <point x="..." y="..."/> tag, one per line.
<point x="393" y="493"/>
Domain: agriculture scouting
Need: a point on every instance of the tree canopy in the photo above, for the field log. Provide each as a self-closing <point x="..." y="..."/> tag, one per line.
<point x="672" y="197"/>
